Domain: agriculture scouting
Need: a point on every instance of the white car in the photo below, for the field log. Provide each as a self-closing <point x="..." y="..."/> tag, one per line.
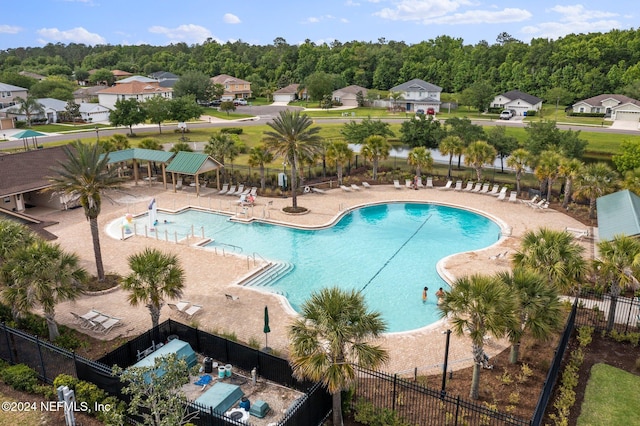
<point x="506" y="115"/>
<point x="240" y="101"/>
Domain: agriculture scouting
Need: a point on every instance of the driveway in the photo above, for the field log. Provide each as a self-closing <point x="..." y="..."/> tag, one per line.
<point x="624" y="125"/>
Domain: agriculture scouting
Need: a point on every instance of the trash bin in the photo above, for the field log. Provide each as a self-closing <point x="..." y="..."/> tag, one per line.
<point x="221" y="372"/>
<point x="524" y="113"/>
<point x="208" y="365"/>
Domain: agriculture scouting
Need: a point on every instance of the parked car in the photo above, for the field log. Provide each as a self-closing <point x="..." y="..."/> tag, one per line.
<point x="419" y="112"/>
<point x="431" y="111"/>
<point x="215" y="102"/>
<point x="506" y="115"/>
<point x="240" y="101"/>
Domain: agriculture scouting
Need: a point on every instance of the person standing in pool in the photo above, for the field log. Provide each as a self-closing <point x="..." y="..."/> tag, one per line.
<point x="424" y="294"/>
<point x="440" y="295"/>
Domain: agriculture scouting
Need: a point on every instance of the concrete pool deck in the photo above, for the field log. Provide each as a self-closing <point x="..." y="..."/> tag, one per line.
<point x="211" y="276"/>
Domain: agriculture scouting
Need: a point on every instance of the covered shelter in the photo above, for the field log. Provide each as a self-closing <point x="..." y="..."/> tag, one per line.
<point x="193" y="164"/>
<point x="140" y="154"/>
<point x="618" y="214"/>
<point x="28" y="134"/>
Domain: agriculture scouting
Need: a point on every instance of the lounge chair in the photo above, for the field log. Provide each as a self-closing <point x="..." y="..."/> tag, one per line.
<point x="179" y="184"/>
<point x="396" y="184"/>
<point x="499" y="256"/>
<point x="318" y="190"/>
<point x="469" y="186"/>
<point x="419" y="183"/>
<point x="502" y="194"/>
<point x="224" y="190"/>
<point x="477" y="188"/>
<point x="345" y="188"/>
<point x="494" y="190"/>
<point x="485" y="188"/>
<point x="192" y="310"/>
<point x="513" y="197"/>
<point x="538" y="204"/>
<point x="577" y="233"/>
<point x="355" y="187"/>
<point x="231" y="190"/>
<point x="429" y="182"/>
<point x="246" y="191"/>
<point x="408" y="183"/>
<point x="366" y="185"/>
<point x="254" y="191"/>
<point x="458" y="186"/>
<point x="231" y="297"/>
<point x="531" y="201"/>
<point x="541" y="206"/>
<point x="447" y="185"/>
<point x="108" y="325"/>
<point x="239" y="191"/>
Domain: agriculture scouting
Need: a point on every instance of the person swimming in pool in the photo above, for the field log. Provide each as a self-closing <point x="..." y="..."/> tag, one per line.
<point x="440" y="295"/>
<point x="424" y="294"/>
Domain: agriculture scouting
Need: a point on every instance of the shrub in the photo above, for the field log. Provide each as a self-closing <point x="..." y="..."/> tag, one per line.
<point x="68" y="340"/>
<point x="20" y="377"/>
<point x="532" y="113"/>
<point x="232" y="130"/>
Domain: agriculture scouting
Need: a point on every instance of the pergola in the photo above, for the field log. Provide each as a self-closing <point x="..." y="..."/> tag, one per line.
<point x="193" y="164"/>
<point x="141" y="154"/>
<point x="618" y="213"/>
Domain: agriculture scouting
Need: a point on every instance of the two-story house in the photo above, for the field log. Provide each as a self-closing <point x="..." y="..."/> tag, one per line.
<point x="8" y="94"/>
<point x="418" y="94"/>
<point x="136" y="87"/>
<point x="234" y="88"/>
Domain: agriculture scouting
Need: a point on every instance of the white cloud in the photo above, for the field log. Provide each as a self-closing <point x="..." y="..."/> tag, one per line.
<point x="351" y="3"/>
<point x="74" y="35"/>
<point x="316" y="19"/>
<point x="188" y="33"/>
<point x="484" y="17"/>
<point x="230" y="18"/>
<point x="573" y="19"/>
<point x="420" y="10"/>
<point x="9" y="29"/>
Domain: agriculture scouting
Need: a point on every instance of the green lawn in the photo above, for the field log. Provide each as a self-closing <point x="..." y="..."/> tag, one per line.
<point x="611" y="398"/>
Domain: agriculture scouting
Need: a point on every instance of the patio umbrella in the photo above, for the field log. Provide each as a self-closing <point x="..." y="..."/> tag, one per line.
<point x="266" y="329"/>
<point x="28" y="134"/>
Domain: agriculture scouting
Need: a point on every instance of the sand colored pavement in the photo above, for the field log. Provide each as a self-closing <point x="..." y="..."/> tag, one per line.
<point x="210" y="276"/>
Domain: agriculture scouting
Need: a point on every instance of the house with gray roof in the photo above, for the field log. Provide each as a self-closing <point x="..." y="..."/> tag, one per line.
<point x="52" y="108"/>
<point x="9" y="92"/>
<point x="418" y="94"/>
<point x="289" y="93"/>
<point x="616" y="107"/>
<point x="348" y="96"/>
<point x="165" y="78"/>
<point x="518" y="101"/>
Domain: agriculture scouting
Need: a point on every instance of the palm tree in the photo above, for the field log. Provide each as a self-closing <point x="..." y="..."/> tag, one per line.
<point x="333" y="334"/>
<point x="222" y="146"/>
<point x="151" y="143"/>
<point x="451" y="145"/>
<point x="420" y="157"/>
<point x="154" y="277"/>
<point x="395" y="97"/>
<point x="632" y="180"/>
<point x="477" y="154"/>
<point x="258" y="157"/>
<point x="538" y="308"/>
<point x="41" y="275"/>
<point x="85" y="175"/>
<point x="13" y="236"/>
<point x="570" y="169"/>
<point x="181" y="146"/>
<point x="548" y="169"/>
<point x="618" y="264"/>
<point x="292" y="137"/>
<point x="375" y="148"/>
<point x="29" y="107"/>
<point x="555" y="254"/>
<point x="596" y="180"/>
<point x="479" y="305"/>
<point x="338" y="153"/>
<point x="519" y="160"/>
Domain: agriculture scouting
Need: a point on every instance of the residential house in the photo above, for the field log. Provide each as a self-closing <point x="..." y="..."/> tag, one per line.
<point x="8" y="94"/>
<point x="24" y="177"/>
<point x="166" y="79"/>
<point x="87" y="94"/>
<point x="52" y="108"/>
<point x="94" y="113"/>
<point x="234" y="88"/>
<point x="136" y="87"/>
<point x="348" y="96"/>
<point x="518" y="101"/>
<point x="33" y="75"/>
<point x="288" y="94"/>
<point x="119" y="74"/>
<point x="418" y="94"/>
<point x="616" y="107"/>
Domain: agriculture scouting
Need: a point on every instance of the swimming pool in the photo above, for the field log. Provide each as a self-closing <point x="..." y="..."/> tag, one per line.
<point x="387" y="251"/>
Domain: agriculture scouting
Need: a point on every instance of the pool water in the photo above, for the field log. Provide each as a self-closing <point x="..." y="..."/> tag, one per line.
<point x="389" y="252"/>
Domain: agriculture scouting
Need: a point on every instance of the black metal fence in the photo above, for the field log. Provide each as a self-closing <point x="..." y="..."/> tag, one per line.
<point x="606" y="313"/>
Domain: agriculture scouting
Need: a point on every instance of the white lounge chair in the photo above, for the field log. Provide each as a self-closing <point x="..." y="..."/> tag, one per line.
<point x="447" y="185"/>
<point x="366" y="185"/>
<point x="191" y="311"/>
<point x="531" y="201"/>
<point x="231" y="190"/>
<point x="458" y="186"/>
<point x="469" y="186"/>
<point x="345" y="188"/>
<point x="355" y="187"/>
<point x="254" y="191"/>
<point x="246" y="191"/>
<point x="318" y="190"/>
<point x="485" y="188"/>
<point x="503" y="194"/>
<point x="429" y="182"/>
<point x="494" y="190"/>
<point x="577" y="233"/>
<point x="396" y="184"/>
<point x="541" y="206"/>
<point x="224" y="190"/>
<point x="108" y="325"/>
<point x="239" y="191"/>
<point x="179" y="184"/>
<point x="513" y="197"/>
<point x="477" y="188"/>
<point x="538" y="204"/>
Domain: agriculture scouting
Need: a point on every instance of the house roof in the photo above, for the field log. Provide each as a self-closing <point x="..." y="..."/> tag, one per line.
<point x="227" y="79"/>
<point x="292" y="88"/>
<point x="139" y="154"/>
<point x="88" y="91"/>
<point x="47" y="103"/>
<point x="618" y="213"/>
<point x="120" y="73"/>
<point x="32" y="75"/>
<point x="416" y="84"/>
<point x="4" y="87"/>
<point x="28" y="170"/>
<point x="353" y="89"/>
<point x="163" y="75"/>
<point x="139" y="78"/>
<point x="192" y="163"/>
<point x="597" y="100"/>
<point x="517" y="94"/>
<point x="135" y="88"/>
<point x="89" y="107"/>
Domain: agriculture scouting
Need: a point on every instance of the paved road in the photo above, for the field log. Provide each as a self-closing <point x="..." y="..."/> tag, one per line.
<point x="266" y="113"/>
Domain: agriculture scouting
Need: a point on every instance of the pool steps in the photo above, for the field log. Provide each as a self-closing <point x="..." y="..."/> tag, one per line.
<point x="270" y="275"/>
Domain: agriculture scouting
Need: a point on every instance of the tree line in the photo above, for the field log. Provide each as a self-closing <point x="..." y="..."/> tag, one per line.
<point x="573" y="67"/>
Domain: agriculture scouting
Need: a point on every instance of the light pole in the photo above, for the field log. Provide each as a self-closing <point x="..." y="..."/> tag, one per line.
<point x="444" y="367"/>
<point x="97" y="134"/>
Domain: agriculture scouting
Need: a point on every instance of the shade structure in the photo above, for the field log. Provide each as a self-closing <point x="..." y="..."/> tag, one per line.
<point x="28" y="134"/>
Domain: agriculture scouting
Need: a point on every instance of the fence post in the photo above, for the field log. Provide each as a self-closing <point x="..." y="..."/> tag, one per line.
<point x="6" y="334"/>
<point x="457" y="409"/>
<point x="44" y="372"/>
<point x="395" y="381"/>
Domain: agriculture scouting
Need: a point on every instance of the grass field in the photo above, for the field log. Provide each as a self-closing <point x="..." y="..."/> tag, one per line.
<point x="23" y="418"/>
<point x="611" y="398"/>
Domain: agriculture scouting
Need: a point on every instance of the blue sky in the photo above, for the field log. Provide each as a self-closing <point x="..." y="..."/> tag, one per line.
<point x="25" y="23"/>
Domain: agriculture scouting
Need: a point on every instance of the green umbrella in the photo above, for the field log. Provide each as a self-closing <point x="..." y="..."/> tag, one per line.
<point x="266" y="329"/>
